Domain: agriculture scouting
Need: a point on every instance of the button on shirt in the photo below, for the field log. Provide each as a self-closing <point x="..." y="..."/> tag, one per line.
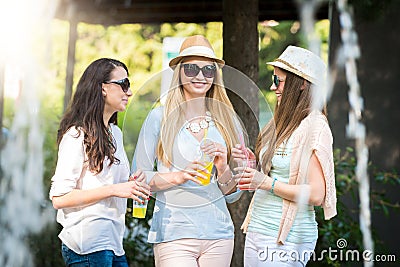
<point x="188" y="210"/>
<point x="99" y="226"/>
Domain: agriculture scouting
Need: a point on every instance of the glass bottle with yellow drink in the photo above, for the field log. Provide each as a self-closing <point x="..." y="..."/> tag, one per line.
<point x="139" y="209"/>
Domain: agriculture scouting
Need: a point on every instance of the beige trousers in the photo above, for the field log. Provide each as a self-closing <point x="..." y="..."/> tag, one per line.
<point x="191" y="252"/>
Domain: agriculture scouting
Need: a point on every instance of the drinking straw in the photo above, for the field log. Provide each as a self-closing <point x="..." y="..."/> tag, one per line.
<point x="243" y="145"/>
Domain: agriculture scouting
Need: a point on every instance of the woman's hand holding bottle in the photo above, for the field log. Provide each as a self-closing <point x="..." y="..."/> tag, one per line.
<point x="136" y="188"/>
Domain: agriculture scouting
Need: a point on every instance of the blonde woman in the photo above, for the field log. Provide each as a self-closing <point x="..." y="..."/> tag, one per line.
<point x="297" y="172"/>
<point x="191" y="225"/>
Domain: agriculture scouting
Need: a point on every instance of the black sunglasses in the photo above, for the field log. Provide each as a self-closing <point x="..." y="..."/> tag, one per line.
<point x="192" y="70"/>
<point x="124" y="83"/>
<point x="275" y="80"/>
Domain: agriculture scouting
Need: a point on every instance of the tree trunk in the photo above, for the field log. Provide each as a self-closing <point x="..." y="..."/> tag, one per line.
<point x="240" y="50"/>
<point x="69" y="80"/>
<point x="2" y="88"/>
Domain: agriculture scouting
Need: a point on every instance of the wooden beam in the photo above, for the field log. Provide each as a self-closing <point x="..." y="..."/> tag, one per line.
<point x="159" y="11"/>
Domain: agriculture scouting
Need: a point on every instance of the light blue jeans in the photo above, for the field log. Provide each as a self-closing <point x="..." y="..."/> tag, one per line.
<point x="263" y="251"/>
<point x="103" y="258"/>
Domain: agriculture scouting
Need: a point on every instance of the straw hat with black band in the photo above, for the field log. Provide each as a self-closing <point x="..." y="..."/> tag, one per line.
<point x="196" y="45"/>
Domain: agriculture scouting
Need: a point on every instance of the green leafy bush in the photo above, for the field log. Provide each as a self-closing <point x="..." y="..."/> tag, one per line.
<point x="346" y="223"/>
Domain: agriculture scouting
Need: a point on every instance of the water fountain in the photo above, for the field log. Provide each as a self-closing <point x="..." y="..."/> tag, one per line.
<point x="23" y="24"/>
<point x="348" y="54"/>
<point x="356" y="129"/>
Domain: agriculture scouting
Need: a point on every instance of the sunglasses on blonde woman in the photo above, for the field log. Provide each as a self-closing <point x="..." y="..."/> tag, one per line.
<point x="192" y="70"/>
<point x="124" y="83"/>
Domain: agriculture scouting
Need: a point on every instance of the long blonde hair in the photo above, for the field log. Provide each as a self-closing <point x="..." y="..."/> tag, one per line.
<point x="294" y="107"/>
<point x="217" y="102"/>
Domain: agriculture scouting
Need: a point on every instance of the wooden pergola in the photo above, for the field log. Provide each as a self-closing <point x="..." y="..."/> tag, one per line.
<point x="114" y="12"/>
<point x="111" y="12"/>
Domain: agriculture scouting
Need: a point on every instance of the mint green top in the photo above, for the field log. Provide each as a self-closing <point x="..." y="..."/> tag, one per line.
<point x="267" y="208"/>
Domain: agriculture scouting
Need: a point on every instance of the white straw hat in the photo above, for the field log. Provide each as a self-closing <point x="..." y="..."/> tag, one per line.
<point x="196" y="45"/>
<point x="303" y="63"/>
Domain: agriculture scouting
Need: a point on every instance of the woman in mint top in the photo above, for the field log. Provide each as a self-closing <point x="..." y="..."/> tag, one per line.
<point x="296" y="160"/>
<point x="191" y="225"/>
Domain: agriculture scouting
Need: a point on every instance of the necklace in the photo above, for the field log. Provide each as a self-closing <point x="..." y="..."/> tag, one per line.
<point x="195" y="127"/>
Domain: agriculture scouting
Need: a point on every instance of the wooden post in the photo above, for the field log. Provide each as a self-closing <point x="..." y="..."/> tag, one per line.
<point x="2" y="69"/>
<point x="69" y="80"/>
<point x="240" y="51"/>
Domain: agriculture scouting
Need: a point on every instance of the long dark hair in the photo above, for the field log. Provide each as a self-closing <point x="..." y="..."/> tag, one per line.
<point x="294" y="107"/>
<point x="85" y="113"/>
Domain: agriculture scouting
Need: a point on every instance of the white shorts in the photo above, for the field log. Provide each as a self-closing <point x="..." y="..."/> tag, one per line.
<point x="262" y="251"/>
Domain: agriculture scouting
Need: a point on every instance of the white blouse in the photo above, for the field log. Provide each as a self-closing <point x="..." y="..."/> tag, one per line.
<point x="99" y="226"/>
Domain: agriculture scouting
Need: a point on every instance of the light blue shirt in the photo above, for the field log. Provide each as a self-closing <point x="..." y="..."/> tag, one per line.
<point x="188" y="210"/>
<point x="267" y="207"/>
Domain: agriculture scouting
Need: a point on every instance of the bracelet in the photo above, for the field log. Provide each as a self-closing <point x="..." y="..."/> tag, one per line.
<point x="226" y="183"/>
<point x="273" y="185"/>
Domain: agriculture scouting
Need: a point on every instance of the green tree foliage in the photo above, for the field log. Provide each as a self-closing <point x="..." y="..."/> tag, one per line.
<point x="138" y="46"/>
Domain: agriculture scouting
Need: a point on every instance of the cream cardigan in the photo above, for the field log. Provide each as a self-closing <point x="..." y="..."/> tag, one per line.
<point x="313" y="134"/>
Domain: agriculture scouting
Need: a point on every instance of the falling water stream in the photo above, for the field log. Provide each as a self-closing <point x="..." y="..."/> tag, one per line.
<point x="25" y="27"/>
<point x="348" y="54"/>
<point x="356" y="129"/>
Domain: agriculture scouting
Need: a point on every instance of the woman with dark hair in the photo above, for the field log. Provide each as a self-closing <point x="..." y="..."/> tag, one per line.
<point x="90" y="185"/>
<point x="297" y="172"/>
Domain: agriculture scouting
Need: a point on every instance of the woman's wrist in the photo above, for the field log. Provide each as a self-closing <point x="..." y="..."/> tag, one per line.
<point x="178" y="178"/>
<point x="222" y="170"/>
<point x="225" y="177"/>
<point x="267" y="183"/>
<point x="110" y="190"/>
<point x="271" y="190"/>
